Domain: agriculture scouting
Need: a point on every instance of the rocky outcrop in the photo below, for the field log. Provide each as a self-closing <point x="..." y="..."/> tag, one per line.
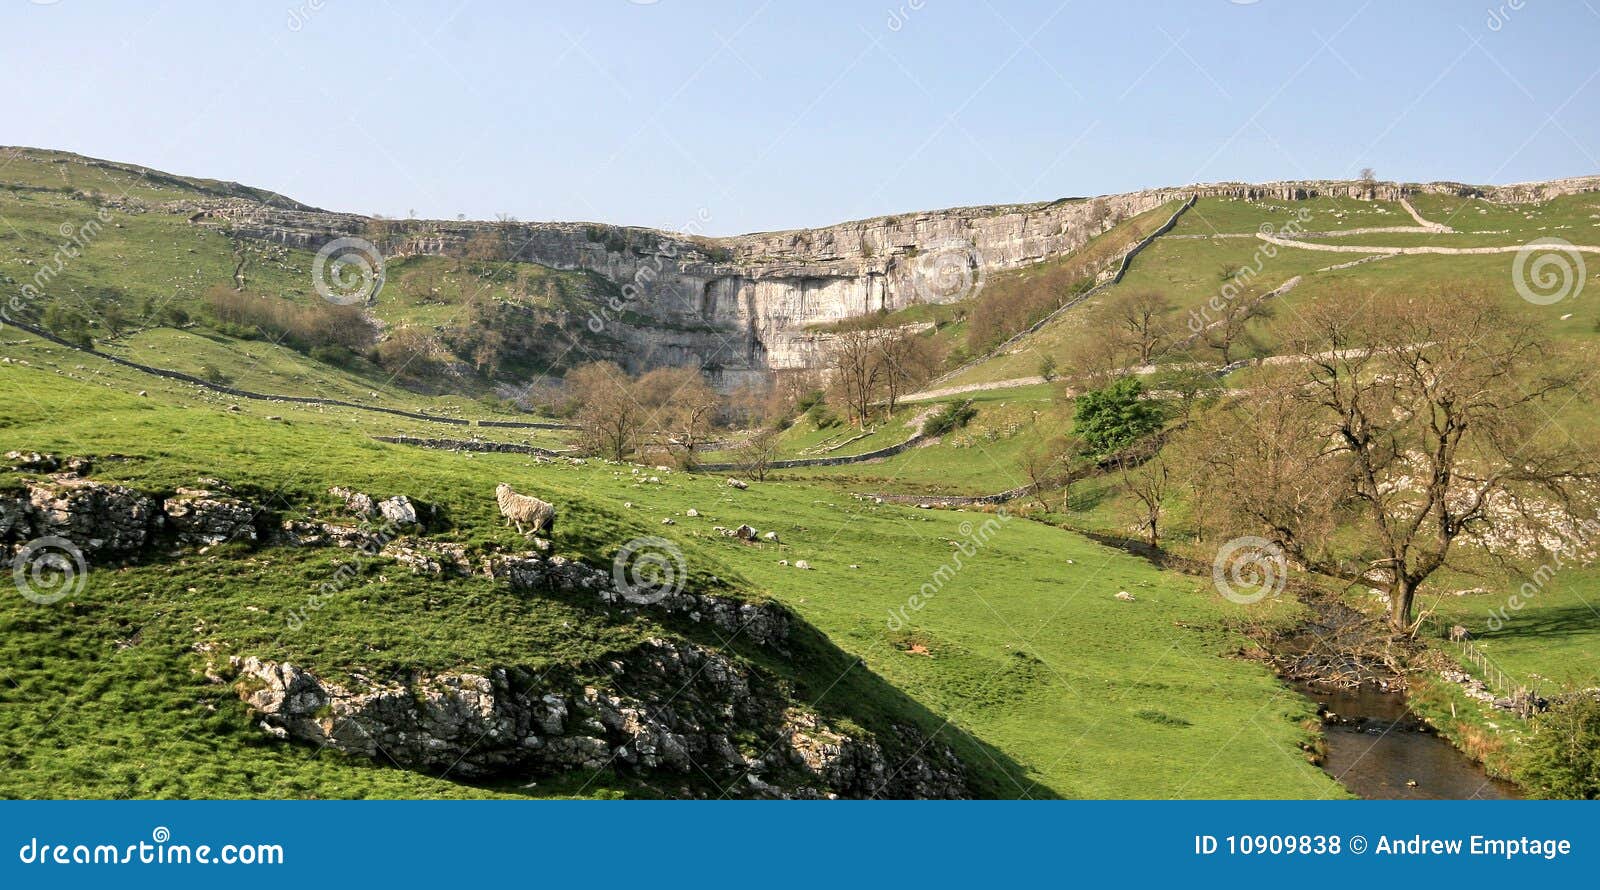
<point x="687" y="710"/>
<point x="765" y="624"/>
<point x="101" y="519"/>
<point x="203" y="517"/>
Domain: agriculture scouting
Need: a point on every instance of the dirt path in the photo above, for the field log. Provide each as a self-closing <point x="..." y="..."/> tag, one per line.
<point x="1408" y="251"/>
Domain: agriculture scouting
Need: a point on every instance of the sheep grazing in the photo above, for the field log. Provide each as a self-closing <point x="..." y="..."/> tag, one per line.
<point x="520" y="509"/>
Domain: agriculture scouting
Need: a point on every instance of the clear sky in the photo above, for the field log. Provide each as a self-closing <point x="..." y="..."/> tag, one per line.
<point x="726" y="117"/>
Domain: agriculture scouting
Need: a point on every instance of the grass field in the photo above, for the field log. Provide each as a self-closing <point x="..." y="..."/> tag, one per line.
<point x="1026" y="650"/>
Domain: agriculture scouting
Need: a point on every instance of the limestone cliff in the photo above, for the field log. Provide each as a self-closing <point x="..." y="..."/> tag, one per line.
<point x="740" y="306"/>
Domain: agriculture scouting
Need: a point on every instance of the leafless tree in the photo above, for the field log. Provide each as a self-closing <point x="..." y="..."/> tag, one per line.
<point x="1047" y="463"/>
<point x="857" y="372"/>
<point x="904" y="360"/>
<point x="680" y="408"/>
<point x="755" y="456"/>
<point x="1419" y="420"/>
<point x="1142" y="318"/>
<point x="1232" y="328"/>
<point x="610" y="417"/>
<point x="1148" y="483"/>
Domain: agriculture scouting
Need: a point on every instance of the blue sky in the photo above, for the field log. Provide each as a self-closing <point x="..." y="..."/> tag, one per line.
<point x="726" y="117"/>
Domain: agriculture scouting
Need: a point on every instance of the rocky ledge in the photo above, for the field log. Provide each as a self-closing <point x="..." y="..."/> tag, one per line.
<point x="666" y="707"/>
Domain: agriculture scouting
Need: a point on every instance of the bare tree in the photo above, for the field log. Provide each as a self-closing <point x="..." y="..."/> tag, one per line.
<point x="1233" y="327"/>
<point x="1095" y="360"/>
<point x="1142" y="318"/>
<point x="755" y="456"/>
<point x="904" y="360"/>
<point x="856" y="372"/>
<point x="1148" y="482"/>
<point x="1047" y="463"/>
<point x="610" y="417"/>
<point x="1259" y="464"/>
<point x="680" y="409"/>
<point x="1421" y="420"/>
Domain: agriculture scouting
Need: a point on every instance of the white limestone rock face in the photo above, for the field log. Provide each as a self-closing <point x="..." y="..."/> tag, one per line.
<point x="740" y="306"/>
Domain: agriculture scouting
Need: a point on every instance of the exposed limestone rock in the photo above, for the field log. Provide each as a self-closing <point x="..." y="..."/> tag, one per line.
<point x="398" y="510"/>
<point x="356" y="502"/>
<point x="430" y="558"/>
<point x="765" y="624"/>
<point x="687" y="709"/>
<point x="203" y="517"/>
<point x="33" y="461"/>
<point x="100" y="518"/>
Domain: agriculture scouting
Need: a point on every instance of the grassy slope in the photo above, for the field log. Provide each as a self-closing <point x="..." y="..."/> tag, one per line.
<point x="1555" y="636"/>
<point x="1188" y="270"/>
<point x="154" y="259"/>
<point x="1029" y="651"/>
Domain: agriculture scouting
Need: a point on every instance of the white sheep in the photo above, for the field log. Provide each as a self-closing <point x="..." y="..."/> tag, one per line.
<point x="521" y="508"/>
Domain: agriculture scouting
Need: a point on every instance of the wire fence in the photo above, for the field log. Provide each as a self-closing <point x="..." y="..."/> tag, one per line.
<point x="1496" y="677"/>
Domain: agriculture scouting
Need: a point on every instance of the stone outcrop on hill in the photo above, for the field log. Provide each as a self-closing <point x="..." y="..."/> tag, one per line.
<point x="674" y="706"/>
<point x="687" y="710"/>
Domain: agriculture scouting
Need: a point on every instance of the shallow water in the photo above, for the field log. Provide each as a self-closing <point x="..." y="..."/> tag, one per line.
<point x="1379" y="750"/>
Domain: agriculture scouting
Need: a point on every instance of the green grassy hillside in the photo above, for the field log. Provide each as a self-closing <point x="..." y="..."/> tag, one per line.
<point x="1024" y="649"/>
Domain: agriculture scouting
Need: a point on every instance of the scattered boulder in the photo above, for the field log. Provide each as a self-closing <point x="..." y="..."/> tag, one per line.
<point x="356" y="502"/>
<point x="398" y="510"/>
<point x="434" y="558"/>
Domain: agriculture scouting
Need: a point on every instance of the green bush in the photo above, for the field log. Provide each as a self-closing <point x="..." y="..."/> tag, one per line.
<point x="1564" y="752"/>
<point x="338" y="356"/>
<point x="810" y="400"/>
<point x="69" y="324"/>
<point x="954" y="416"/>
<point x="213" y="374"/>
<point x="822" y="417"/>
<point x="1115" y="416"/>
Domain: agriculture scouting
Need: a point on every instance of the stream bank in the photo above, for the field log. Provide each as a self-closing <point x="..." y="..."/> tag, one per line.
<point x="1355" y="670"/>
<point x="1379" y="749"/>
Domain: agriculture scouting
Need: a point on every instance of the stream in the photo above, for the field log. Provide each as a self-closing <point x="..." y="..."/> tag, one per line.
<point x="1379" y="750"/>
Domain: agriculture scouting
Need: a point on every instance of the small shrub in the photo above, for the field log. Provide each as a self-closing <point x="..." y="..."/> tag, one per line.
<point x="954" y="416"/>
<point x="1564" y="752"/>
<point x="338" y="356"/>
<point x="213" y="374"/>
<point x="822" y="417"/>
